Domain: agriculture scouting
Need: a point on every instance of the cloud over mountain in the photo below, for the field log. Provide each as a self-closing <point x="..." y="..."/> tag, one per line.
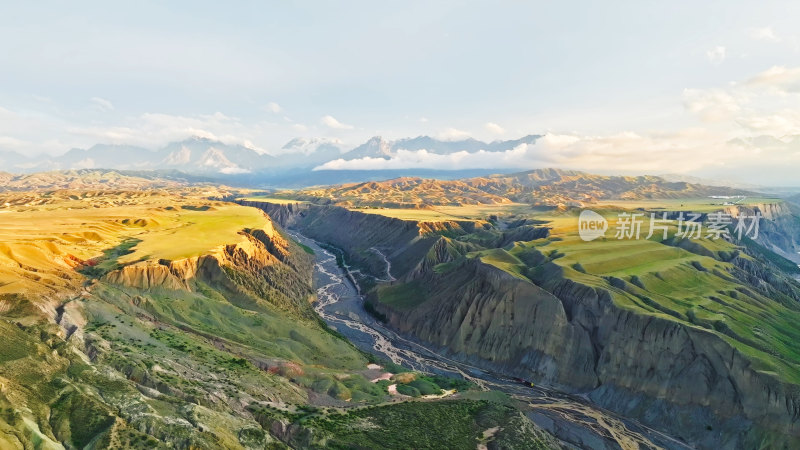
<point x="331" y="122"/>
<point x="620" y="152"/>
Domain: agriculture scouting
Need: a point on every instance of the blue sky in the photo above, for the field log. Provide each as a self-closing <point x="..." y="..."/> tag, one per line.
<point x="601" y="78"/>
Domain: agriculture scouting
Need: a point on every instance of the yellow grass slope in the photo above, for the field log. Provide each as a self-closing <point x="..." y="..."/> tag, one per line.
<point x="43" y="244"/>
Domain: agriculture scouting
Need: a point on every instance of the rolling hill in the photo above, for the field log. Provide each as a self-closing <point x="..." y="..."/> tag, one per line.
<point x="548" y="187"/>
<point x="95" y="179"/>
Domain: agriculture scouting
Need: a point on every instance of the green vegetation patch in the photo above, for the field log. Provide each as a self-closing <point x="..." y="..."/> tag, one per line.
<point x="97" y="267"/>
<point x="435" y="425"/>
<point x="501" y="259"/>
<point x="402" y="296"/>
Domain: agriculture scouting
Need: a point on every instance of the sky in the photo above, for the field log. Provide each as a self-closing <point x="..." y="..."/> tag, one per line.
<point x="632" y="87"/>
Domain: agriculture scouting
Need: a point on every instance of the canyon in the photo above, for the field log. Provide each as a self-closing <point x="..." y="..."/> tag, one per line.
<point x="498" y="296"/>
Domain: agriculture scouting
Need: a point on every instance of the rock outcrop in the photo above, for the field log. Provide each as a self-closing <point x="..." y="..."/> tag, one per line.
<point x="779" y="230"/>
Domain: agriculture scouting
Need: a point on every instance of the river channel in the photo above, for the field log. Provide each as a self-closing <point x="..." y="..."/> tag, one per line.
<point x="570" y="417"/>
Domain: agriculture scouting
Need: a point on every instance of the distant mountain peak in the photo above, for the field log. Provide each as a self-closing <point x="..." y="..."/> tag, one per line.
<point x="196" y="138"/>
<point x="378" y="147"/>
<point x="206" y="155"/>
<point x="215" y="158"/>
<point x="303" y="142"/>
<point x="375" y="147"/>
<point x="180" y="156"/>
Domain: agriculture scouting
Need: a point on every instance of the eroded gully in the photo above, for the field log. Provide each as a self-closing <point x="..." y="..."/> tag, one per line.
<point x="571" y="418"/>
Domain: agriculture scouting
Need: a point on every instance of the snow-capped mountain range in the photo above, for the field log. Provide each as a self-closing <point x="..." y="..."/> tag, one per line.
<point x="197" y="155"/>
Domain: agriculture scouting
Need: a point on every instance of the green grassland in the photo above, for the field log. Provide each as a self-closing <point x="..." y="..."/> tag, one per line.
<point x="443" y="213"/>
<point x="39" y="243"/>
<point x="481" y="212"/>
<point x="271" y="199"/>
<point x="436" y="425"/>
<point x="690" y="204"/>
<point x="191" y="232"/>
<point x="501" y="259"/>
<point x="680" y="280"/>
<point x="166" y="228"/>
<point x="402" y="296"/>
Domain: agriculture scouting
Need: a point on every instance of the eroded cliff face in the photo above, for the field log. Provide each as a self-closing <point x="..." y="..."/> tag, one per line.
<point x="250" y="252"/>
<point x="679" y="377"/>
<point x="260" y="267"/>
<point x="487" y="316"/>
<point x="403" y="242"/>
<point x="779" y="228"/>
<point x="684" y="379"/>
<point x="779" y="231"/>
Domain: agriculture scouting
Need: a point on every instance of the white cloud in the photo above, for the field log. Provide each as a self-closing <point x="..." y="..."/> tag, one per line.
<point x="716" y="55"/>
<point x="8" y="142"/>
<point x="494" y="128"/>
<point x="233" y="170"/>
<point x="763" y="34"/>
<point x="101" y="104"/>
<point x="331" y="122"/>
<point x="36" y="132"/>
<point x="87" y="163"/>
<point x="423" y="119"/>
<point x="156" y="129"/>
<point x="620" y="153"/>
<point x="30" y="133"/>
<point x="452" y="134"/>
<point x="780" y="123"/>
<point x="764" y="104"/>
<point x="273" y="107"/>
<point x="711" y="105"/>
<point x="307" y="146"/>
<point x="778" y="78"/>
